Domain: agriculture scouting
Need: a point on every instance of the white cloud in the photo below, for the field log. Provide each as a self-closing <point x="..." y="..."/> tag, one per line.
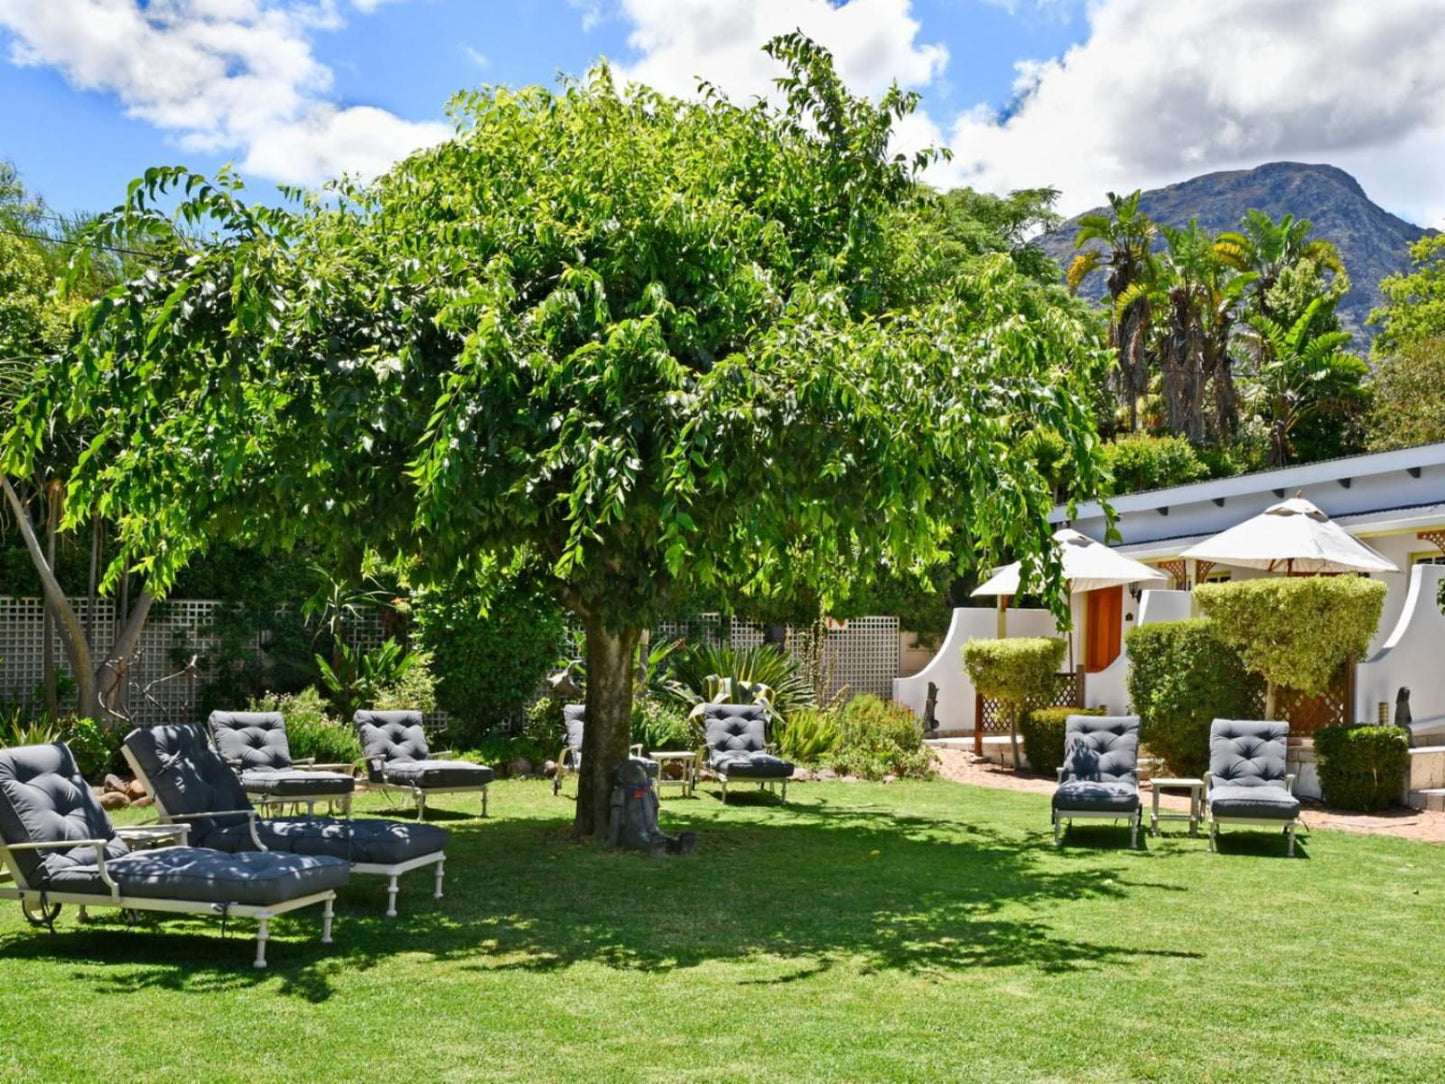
<point x="476" y="56"/>
<point x="678" y="41"/>
<point x="1160" y="92"/>
<point x="221" y="75"/>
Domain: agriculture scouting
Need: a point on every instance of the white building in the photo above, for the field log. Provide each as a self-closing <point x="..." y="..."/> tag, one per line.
<point x="1395" y="501"/>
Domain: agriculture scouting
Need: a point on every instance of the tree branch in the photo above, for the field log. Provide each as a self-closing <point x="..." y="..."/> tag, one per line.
<point x="76" y="646"/>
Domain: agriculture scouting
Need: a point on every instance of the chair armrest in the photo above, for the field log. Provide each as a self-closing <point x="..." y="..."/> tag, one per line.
<point x="1060" y="772"/>
<point x="1289" y="783"/>
<point x="98" y="845"/>
<point x="1208" y="778"/>
<point x="305" y="762"/>
<point x="636" y="750"/>
<point x="328" y="767"/>
<point x="442" y="754"/>
<point x="249" y="814"/>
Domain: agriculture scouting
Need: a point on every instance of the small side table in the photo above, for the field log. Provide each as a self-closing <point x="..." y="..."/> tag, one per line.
<point x="688" y="760"/>
<point x="1195" y="787"/>
<point x="145" y="837"/>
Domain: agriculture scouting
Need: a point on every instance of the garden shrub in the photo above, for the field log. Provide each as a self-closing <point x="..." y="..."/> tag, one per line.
<point x="1362" y="767"/>
<point x="722" y="673"/>
<point x="1183" y="676"/>
<point x="877" y="739"/>
<point x="1142" y="462"/>
<point x="413" y="690"/>
<point x="1043" y="733"/>
<point x="1295" y="631"/>
<point x="96" y="747"/>
<point x="1019" y="671"/>
<point x="808" y="736"/>
<point x="311" y="731"/>
<point x="488" y="667"/>
<point x="658" y="725"/>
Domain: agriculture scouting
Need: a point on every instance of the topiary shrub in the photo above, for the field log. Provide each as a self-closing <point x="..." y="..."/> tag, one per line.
<point x="1296" y="631"/>
<point x="1043" y="734"/>
<point x="1362" y="767"/>
<point x="877" y="739"/>
<point x="1182" y="677"/>
<point x="488" y="666"/>
<point x="1141" y="462"/>
<point x="1017" y="671"/>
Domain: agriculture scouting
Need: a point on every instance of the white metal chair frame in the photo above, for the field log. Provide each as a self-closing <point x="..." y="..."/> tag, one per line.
<point x="770" y="785"/>
<point x="565" y="759"/>
<point x="14" y="886"/>
<point x="374" y="869"/>
<point x="1214" y="821"/>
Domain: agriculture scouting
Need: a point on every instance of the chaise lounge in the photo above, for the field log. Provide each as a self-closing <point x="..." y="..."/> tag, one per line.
<point x="1099" y="779"/>
<point x="737" y="747"/>
<point x="1247" y="782"/>
<point x="569" y="760"/>
<point x="192" y="784"/>
<point x="394" y="747"/>
<point x="59" y="846"/>
<point x="254" y="743"/>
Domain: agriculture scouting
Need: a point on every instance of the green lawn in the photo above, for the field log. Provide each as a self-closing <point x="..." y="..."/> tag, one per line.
<point x="863" y="932"/>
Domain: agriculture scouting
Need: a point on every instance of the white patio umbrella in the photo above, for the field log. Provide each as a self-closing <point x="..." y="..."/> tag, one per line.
<point x="1292" y="536"/>
<point x="1088" y="566"/>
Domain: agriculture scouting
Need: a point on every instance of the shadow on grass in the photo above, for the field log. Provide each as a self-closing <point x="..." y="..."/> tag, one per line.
<point x="793" y="892"/>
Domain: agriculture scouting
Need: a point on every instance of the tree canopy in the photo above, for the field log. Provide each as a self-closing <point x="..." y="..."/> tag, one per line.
<point x="648" y="345"/>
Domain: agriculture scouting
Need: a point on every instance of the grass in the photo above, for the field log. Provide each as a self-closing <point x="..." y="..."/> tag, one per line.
<point x="913" y="931"/>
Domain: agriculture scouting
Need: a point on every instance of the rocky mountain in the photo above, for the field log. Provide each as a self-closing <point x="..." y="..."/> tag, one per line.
<point x="1371" y="240"/>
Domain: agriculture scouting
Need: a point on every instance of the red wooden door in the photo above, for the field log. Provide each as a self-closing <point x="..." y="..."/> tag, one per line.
<point x="1103" y="627"/>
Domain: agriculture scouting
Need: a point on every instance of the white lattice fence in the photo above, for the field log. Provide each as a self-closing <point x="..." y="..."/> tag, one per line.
<point x="861" y="654"/>
<point x="177" y="627"/>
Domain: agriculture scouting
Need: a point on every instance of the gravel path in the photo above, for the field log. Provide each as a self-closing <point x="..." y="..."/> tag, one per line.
<point x="957" y="765"/>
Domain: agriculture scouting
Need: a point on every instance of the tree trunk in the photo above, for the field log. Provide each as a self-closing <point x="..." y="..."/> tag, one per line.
<point x="609" y="720"/>
<point x="1269" y="701"/>
<point x="1013" y="734"/>
<point x="47" y="647"/>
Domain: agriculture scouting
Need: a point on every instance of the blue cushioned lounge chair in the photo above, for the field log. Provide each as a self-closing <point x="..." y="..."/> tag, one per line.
<point x="1099" y="778"/>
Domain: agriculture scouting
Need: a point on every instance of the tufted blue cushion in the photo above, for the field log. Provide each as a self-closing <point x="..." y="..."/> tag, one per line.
<point x="380" y="841"/>
<point x="1247" y="752"/>
<point x="44" y="799"/>
<point x="1264" y="802"/>
<point x="1102" y="749"/>
<point x="1086" y="796"/>
<point x="390" y="736"/>
<point x="734" y="728"/>
<point x="437" y="773"/>
<point x="199" y="873"/>
<point x="188" y="776"/>
<point x="298" y="784"/>
<point x="257" y="739"/>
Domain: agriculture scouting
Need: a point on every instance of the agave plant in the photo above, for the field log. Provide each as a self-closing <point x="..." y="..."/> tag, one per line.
<point x="722" y="674"/>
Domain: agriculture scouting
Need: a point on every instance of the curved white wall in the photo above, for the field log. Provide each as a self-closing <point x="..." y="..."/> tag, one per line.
<point x="1109" y="688"/>
<point x="955" y="691"/>
<point x="1410" y="655"/>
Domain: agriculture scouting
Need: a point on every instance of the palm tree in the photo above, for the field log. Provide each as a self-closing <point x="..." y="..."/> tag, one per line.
<point x="1127" y="238"/>
<point x="1266" y="248"/>
<point x="1195" y="297"/>
<point x="1299" y="370"/>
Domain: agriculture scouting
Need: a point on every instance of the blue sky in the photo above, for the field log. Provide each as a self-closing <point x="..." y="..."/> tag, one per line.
<point x="1084" y="96"/>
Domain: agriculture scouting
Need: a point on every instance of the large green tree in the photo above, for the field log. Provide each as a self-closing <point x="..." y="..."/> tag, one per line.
<point x="1414" y="308"/>
<point x="662" y="346"/>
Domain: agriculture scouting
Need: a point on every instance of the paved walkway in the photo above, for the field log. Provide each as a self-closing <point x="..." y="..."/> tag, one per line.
<point x="958" y="765"/>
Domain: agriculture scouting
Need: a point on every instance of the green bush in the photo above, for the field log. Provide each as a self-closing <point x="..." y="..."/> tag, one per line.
<point x="96" y="747"/>
<point x="413" y="690"/>
<point x="542" y="724"/>
<point x="311" y="731"/>
<point x="877" y="739"/>
<point x="659" y="725"/>
<point x="488" y="667"/>
<point x="1141" y="462"/>
<point x="722" y="673"/>
<point x="1018" y="671"/>
<point x="1182" y="677"/>
<point x="1295" y="631"/>
<point x="1362" y="767"/>
<point x="808" y="736"/>
<point x="1043" y="733"/>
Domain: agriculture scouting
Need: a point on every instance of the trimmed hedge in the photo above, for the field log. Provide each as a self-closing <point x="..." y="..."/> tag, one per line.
<point x="1295" y="631"/>
<point x="1183" y="676"/>
<point x="1362" y="767"/>
<point x="1014" y="670"/>
<point x="1043" y="734"/>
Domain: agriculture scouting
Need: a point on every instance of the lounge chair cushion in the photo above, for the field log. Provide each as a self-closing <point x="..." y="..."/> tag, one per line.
<point x="1247" y="752"/>
<point x="391" y="735"/>
<point x="255" y="739"/>
<point x="1268" y="802"/>
<point x="382" y="842"/>
<point x="285" y="784"/>
<point x="437" y="773"/>
<point x="44" y="799"/>
<point x="208" y="876"/>
<point x="734" y="728"/>
<point x="1087" y="796"/>
<point x="1102" y="749"/>
<point x="752" y="766"/>
<point x="574" y="717"/>
<point x="188" y="776"/>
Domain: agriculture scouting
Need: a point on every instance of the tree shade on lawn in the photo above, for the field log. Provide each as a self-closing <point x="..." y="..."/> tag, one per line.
<point x="826" y="940"/>
<point x="647" y="346"/>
